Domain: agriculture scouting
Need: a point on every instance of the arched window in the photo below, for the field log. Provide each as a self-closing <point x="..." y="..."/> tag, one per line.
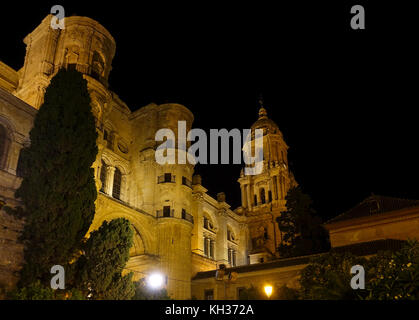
<point x="262" y="196"/>
<point x="208" y="223"/>
<point x="3" y="146"/>
<point x="98" y="66"/>
<point x="103" y="176"/>
<point x="117" y="179"/>
<point x="230" y="235"/>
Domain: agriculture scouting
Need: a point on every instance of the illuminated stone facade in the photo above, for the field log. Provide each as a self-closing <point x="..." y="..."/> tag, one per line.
<point x="179" y="229"/>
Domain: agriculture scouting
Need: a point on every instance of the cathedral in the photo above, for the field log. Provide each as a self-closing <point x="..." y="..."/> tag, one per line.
<point x="179" y="230"/>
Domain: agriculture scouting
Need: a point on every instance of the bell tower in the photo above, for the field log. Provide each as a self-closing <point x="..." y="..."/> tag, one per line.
<point x="263" y="195"/>
<point x="83" y="44"/>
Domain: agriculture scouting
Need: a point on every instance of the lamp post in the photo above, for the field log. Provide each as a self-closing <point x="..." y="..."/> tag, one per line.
<point x="155" y="281"/>
<point x="268" y="290"/>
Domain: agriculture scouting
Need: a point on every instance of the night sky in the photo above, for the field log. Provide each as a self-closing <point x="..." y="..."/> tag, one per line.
<point x="344" y="99"/>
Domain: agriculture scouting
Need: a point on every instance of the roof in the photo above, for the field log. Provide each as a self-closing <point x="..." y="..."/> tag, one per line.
<point x="375" y="205"/>
<point x="280" y="263"/>
<point x="266" y="124"/>
<point x="371" y="247"/>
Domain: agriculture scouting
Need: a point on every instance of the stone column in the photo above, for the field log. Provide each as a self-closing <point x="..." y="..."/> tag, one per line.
<point x="270" y="189"/>
<point x="244" y="200"/>
<point x="249" y="199"/>
<point x="110" y="171"/>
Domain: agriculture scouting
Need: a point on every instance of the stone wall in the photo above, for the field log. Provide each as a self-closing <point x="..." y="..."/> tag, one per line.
<point x="11" y="251"/>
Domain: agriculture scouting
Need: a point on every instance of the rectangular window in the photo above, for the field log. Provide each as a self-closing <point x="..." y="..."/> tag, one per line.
<point x="212" y="245"/>
<point x="209" y="294"/>
<point x="166" y="211"/>
<point x="167" y="177"/>
<point x="206" y="251"/>
<point x="72" y="66"/>
<point x="270" y="195"/>
<point x="240" y="293"/>
<point x="232" y="257"/>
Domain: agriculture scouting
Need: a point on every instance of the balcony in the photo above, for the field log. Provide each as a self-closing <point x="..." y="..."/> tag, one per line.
<point x="188" y="217"/>
<point x="186" y="182"/>
<point x="165" y="213"/>
<point x="166" y="178"/>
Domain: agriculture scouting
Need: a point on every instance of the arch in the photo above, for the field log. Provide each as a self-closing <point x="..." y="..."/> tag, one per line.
<point x="231" y="234"/>
<point x="137" y="244"/>
<point x="121" y="166"/>
<point x="143" y="240"/>
<point x="98" y="65"/>
<point x="209" y="222"/>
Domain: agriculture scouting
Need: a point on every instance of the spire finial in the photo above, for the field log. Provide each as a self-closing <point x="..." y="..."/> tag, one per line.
<point x="263" y="114"/>
<point x="261" y="100"/>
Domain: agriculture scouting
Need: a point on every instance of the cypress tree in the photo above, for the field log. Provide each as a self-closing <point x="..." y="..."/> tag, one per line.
<point x="58" y="188"/>
<point x="302" y="232"/>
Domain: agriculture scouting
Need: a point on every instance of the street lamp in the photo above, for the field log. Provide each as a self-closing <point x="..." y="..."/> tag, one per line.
<point x="268" y="290"/>
<point x="155" y="281"/>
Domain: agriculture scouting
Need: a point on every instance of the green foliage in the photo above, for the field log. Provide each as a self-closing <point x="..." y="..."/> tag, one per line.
<point x="302" y="232"/>
<point x="105" y="254"/>
<point x="395" y="275"/>
<point x="286" y="293"/>
<point x="39" y="291"/>
<point x="34" y="291"/>
<point x="328" y="277"/>
<point x="389" y="276"/>
<point x="58" y="188"/>
<point x="142" y="292"/>
<point x="251" y="293"/>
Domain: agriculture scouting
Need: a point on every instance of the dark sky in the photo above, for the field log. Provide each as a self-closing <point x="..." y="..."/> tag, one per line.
<point x="345" y="100"/>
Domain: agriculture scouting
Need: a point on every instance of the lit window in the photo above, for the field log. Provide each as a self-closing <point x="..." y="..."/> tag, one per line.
<point x="209" y="294"/>
<point x="232" y="257"/>
<point x="117" y="179"/>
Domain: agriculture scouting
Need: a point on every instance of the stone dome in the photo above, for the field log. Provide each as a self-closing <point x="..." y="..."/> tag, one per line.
<point x="267" y="125"/>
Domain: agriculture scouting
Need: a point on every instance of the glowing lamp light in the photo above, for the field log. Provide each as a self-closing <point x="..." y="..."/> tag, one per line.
<point x="155" y="281"/>
<point x="268" y="290"/>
